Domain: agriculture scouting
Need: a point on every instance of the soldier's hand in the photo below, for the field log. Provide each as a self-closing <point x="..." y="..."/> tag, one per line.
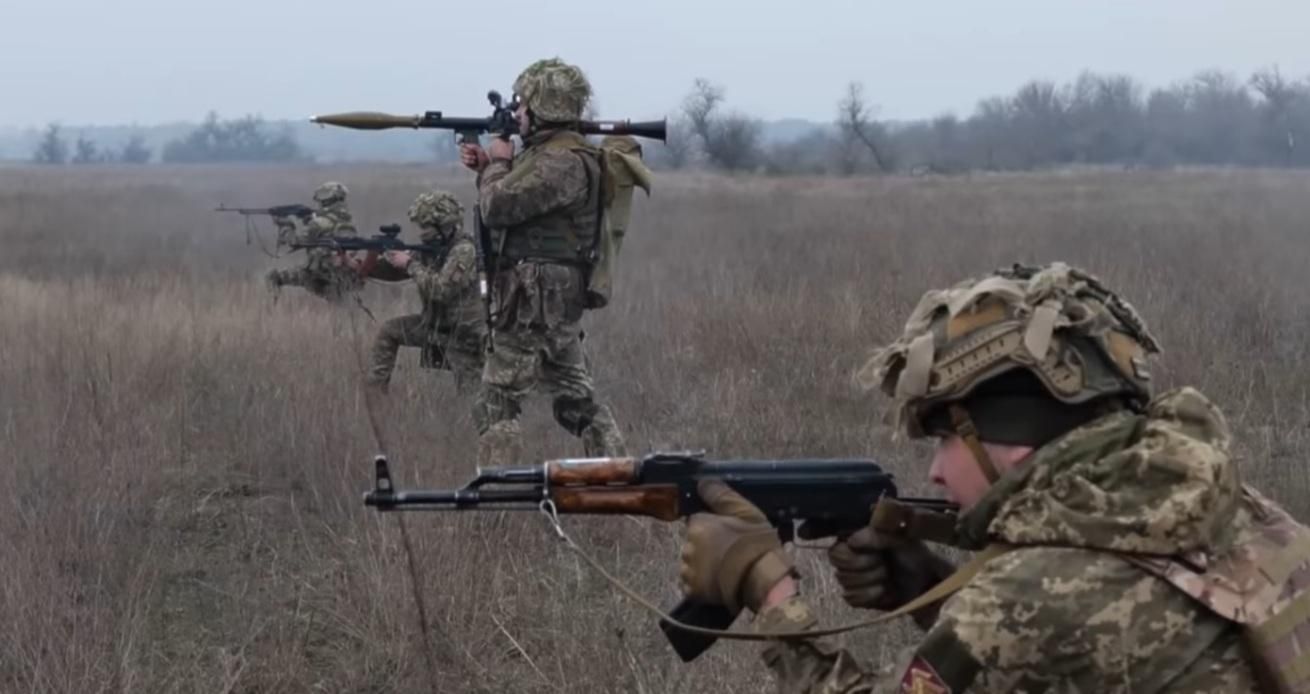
<point x="398" y="259"/>
<point x="500" y="149"/>
<point x="882" y="573"/>
<point x="346" y="260"/>
<point x="473" y="156"/>
<point x="732" y="556"/>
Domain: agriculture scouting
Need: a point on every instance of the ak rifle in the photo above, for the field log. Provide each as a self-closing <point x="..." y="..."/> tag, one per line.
<point x="388" y="239"/>
<point x="830" y="497"/>
<point x="302" y="212"/>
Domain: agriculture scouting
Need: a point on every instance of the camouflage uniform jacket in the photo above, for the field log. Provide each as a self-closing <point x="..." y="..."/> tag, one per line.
<point x="330" y="220"/>
<point x="449" y="288"/>
<point x="543" y="205"/>
<point x="1066" y="611"/>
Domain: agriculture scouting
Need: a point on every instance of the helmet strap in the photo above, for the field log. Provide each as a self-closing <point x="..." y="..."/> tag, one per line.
<point x="438" y="235"/>
<point x="965" y="429"/>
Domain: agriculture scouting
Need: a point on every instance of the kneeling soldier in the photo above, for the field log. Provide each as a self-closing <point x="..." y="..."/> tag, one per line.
<point x="450" y="329"/>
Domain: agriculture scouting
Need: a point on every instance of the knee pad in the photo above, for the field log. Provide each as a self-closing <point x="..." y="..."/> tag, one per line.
<point x="573" y="414"/>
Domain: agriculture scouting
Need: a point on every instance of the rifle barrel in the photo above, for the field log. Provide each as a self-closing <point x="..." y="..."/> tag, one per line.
<point x="453" y="499"/>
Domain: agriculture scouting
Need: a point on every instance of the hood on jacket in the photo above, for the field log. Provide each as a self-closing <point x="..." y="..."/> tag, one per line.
<point x="1161" y="482"/>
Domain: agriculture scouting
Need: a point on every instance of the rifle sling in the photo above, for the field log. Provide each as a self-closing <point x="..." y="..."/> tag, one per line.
<point x="941" y="591"/>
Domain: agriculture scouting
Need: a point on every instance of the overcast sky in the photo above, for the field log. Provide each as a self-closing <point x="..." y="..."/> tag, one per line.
<point x="150" y="61"/>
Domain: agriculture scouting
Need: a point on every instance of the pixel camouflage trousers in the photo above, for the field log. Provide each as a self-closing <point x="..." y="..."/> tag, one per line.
<point x="555" y="359"/>
<point x="461" y="354"/>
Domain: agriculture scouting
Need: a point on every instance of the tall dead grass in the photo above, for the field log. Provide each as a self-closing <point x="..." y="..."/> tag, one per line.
<point x="182" y="457"/>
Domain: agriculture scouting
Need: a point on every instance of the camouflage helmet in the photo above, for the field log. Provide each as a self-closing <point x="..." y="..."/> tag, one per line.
<point x="1056" y="327"/>
<point x="554" y="90"/>
<point x="330" y="192"/>
<point x="437" y="210"/>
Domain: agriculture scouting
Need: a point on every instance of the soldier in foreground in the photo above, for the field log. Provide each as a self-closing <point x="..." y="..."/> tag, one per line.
<point x="450" y="330"/>
<point x="324" y="273"/>
<point x="1125" y="553"/>
<point x="543" y="207"/>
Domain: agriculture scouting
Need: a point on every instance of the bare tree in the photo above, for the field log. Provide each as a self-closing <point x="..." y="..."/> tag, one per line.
<point x="1105" y="117"/>
<point x="1278" y="93"/>
<point x="52" y="149"/>
<point x="678" y="144"/>
<point x="729" y="142"/>
<point x="734" y="143"/>
<point x="85" y="151"/>
<point x="854" y="117"/>
<point x="1037" y="111"/>
<point x="1221" y="118"/>
<point x="700" y="108"/>
<point x="1279" y="98"/>
<point x="135" y="151"/>
<point x="241" y="139"/>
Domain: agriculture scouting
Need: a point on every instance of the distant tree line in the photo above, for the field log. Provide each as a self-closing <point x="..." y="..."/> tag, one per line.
<point x="54" y="149"/>
<point x="1214" y="118"/>
<point x="247" y="139"/>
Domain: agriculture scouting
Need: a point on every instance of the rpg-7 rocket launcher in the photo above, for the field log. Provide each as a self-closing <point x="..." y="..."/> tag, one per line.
<point x="501" y="122"/>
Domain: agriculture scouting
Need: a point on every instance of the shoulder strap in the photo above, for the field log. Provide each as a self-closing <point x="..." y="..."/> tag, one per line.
<point x="600" y="206"/>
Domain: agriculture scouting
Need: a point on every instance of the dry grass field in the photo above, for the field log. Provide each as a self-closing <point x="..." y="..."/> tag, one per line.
<point x="181" y="457"/>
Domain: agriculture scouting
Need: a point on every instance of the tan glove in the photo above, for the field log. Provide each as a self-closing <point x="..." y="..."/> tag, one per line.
<point x="732" y="556"/>
<point x="882" y="573"/>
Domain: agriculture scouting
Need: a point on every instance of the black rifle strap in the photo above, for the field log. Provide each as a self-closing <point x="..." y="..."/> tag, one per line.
<point x="600" y="212"/>
<point x="488" y="259"/>
<point x="252" y="231"/>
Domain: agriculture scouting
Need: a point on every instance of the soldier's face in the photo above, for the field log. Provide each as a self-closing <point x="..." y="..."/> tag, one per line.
<point x="955" y="469"/>
<point x="521" y="113"/>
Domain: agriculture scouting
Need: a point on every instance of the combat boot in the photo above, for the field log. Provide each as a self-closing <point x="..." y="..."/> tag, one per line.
<point x="602" y="438"/>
